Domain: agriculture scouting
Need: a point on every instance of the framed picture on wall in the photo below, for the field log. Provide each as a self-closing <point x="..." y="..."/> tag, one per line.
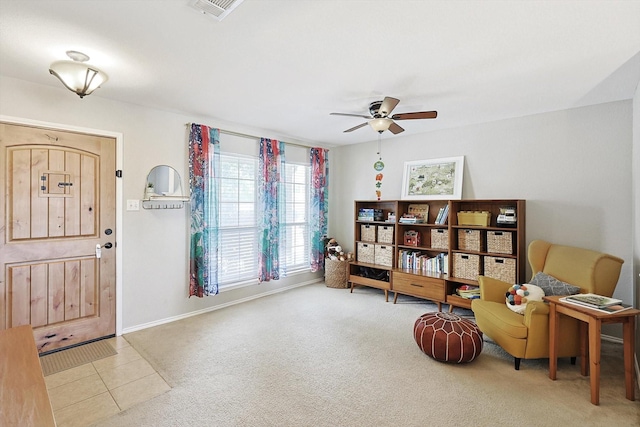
<point x="435" y="179"/>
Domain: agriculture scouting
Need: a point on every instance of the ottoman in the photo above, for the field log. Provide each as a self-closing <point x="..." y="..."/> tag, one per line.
<point x="448" y="337"/>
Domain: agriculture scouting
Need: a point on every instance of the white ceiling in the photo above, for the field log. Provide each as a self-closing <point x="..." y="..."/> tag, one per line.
<point x="283" y="66"/>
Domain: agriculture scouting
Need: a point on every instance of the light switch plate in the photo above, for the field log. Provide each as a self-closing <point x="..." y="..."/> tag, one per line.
<point x="133" y="205"/>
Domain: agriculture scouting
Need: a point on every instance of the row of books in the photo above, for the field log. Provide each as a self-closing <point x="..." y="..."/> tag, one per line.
<point x="422" y="262"/>
<point x="443" y="214"/>
<point x="597" y="302"/>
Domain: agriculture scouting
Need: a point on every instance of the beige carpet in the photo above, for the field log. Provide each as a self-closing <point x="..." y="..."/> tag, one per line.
<point x="318" y="356"/>
<point x="76" y="356"/>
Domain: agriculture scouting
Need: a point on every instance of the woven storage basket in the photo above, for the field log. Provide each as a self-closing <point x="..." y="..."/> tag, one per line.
<point x="385" y="234"/>
<point x="365" y="253"/>
<point x="500" y="268"/>
<point x="469" y="240"/>
<point x="368" y="233"/>
<point x="440" y="238"/>
<point x="466" y="266"/>
<point x="383" y="255"/>
<point x="500" y="242"/>
<point x="336" y="273"/>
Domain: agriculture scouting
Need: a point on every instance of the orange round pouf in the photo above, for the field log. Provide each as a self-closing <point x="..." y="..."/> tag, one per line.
<point x="448" y="337"/>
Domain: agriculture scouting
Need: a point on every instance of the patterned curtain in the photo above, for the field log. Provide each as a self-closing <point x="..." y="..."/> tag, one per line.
<point x="271" y="161"/>
<point x="204" y="163"/>
<point x="319" y="205"/>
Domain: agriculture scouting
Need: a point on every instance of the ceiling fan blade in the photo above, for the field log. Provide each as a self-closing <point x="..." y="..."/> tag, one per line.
<point x="395" y="129"/>
<point x="416" y="115"/>
<point x="351" y="115"/>
<point x="387" y="106"/>
<point x="356" y="127"/>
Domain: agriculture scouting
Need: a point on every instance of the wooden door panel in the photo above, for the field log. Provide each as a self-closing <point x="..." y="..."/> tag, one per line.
<point x="39" y="296"/>
<point x="39" y="211"/>
<point x="58" y="198"/>
<point x="52" y="292"/>
<point x="55" y="304"/>
<point x="54" y="193"/>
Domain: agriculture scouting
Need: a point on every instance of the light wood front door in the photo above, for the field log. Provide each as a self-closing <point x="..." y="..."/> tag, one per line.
<point x="58" y="204"/>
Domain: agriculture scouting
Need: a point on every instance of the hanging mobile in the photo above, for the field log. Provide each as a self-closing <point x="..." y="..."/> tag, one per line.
<point x="378" y="166"/>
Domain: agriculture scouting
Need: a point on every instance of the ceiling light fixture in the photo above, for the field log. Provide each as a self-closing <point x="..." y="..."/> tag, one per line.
<point x="77" y="76"/>
<point x="381" y="124"/>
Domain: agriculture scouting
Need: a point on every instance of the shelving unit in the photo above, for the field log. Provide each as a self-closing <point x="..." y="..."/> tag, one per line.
<point x="466" y="251"/>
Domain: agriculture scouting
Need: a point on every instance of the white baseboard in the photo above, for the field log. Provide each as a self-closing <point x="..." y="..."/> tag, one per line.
<point x="215" y="307"/>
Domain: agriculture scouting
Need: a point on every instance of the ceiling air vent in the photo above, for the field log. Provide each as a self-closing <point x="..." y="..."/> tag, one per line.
<point x="215" y="8"/>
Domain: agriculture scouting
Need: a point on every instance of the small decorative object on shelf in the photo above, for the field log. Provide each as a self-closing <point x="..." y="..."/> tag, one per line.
<point x="411" y="238"/>
<point x="149" y="191"/>
<point x="507" y="217"/>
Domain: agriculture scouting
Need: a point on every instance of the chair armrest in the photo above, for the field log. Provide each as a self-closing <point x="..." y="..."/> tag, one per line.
<point x="534" y="310"/>
<point x="493" y="289"/>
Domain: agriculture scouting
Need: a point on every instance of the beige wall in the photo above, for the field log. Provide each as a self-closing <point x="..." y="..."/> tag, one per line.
<point x="573" y="167"/>
<point x="636" y="209"/>
<point x="153" y="243"/>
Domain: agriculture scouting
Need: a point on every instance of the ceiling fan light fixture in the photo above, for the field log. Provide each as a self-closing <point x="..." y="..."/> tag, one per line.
<point x="381" y="124"/>
<point x="78" y="77"/>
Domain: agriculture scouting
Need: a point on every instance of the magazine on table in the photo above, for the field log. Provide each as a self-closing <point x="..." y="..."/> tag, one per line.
<point x="609" y="309"/>
<point x="592" y="300"/>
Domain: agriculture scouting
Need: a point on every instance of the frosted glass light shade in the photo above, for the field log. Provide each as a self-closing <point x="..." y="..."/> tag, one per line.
<point x="380" y="125"/>
<point x="78" y="77"/>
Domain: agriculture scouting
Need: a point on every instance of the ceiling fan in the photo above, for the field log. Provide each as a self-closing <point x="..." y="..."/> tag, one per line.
<point x="380" y="119"/>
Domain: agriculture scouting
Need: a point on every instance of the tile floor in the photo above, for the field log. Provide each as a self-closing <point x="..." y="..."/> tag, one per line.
<point x="89" y="393"/>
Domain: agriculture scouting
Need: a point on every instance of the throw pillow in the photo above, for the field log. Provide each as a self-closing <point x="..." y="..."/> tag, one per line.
<point x="518" y="296"/>
<point x="552" y="286"/>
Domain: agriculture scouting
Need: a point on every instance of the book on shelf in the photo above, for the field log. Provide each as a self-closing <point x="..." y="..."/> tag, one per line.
<point x="442" y="215"/>
<point x="439" y="217"/>
<point x="421" y="262"/>
<point x="609" y="309"/>
<point x="592" y="300"/>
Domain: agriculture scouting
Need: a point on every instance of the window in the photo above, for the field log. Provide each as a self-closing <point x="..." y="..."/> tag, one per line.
<point x="295" y="254"/>
<point x="238" y="226"/>
<point x="238" y="257"/>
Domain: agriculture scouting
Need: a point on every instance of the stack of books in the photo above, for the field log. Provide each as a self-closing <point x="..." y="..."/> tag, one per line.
<point x="596" y="302"/>
<point x="468" y="291"/>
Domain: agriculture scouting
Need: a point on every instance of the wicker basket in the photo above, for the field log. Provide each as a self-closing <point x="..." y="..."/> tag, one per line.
<point x="383" y="255"/>
<point x="365" y="253"/>
<point x="440" y="238"/>
<point x="466" y="266"/>
<point x="368" y="233"/>
<point x="336" y="273"/>
<point x="500" y="242"/>
<point x="500" y="268"/>
<point x="469" y="240"/>
<point x="385" y="234"/>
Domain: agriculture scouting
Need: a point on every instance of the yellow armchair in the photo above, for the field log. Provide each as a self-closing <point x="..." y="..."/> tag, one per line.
<point x="527" y="336"/>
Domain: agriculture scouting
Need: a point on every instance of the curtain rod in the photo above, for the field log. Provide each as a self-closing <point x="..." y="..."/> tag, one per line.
<point x="246" y="135"/>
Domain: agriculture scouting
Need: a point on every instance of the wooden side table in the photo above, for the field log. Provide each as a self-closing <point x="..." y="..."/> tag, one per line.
<point x="591" y="327"/>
